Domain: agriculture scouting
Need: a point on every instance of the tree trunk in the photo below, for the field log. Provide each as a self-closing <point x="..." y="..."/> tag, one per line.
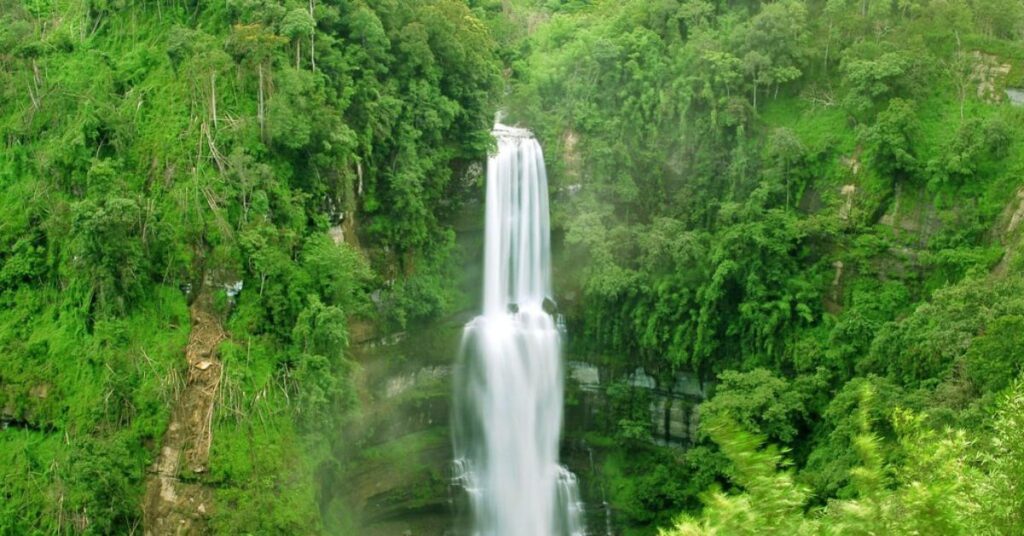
<point x="785" y="172"/>
<point x="261" y="117"/>
<point x="213" y="97"/>
<point x="828" y="44"/>
<point x="312" y="40"/>
<point x="359" y="171"/>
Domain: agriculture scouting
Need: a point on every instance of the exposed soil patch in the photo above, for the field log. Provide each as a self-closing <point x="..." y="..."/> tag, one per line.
<point x="988" y="72"/>
<point x="176" y="501"/>
<point x="1013" y="216"/>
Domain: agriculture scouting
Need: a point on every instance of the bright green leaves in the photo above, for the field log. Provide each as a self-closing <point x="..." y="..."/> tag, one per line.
<point x="1002" y="459"/>
<point x="200" y="58"/>
<point x="339" y="270"/>
<point x="869" y="307"/>
<point x="695" y="298"/>
<point x="760" y="401"/>
<point x="890" y="141"/>
<point x="775" y="45"/>
<point x="151" y="148"/>
<point x="23" y="245"/>
<point x="631" y="406"/>
<point x="297" y="23"/>
<point x="930" y="343"/>
<point x="24" y="262"/>
<point x="321" y="330"/>
<point x="872" y="77"/>
<point x="106" y="254"/>
<point x="975" y="144"/>
<point x="368" y="32"/>
<point x="292" y="111"/>
<point x="923" y="482"/>
<point x="423" y="76"/>
<point x="786" y="162"/>
<point x="997" y="355"/>
<point x="320" y="370"/>
<point x="102" y="487"/>
<point x="772" y="502"/>
<point x="783" y="187"/>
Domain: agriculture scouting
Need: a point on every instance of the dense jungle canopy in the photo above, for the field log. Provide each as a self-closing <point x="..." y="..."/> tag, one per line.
<point x="214" y="212"/>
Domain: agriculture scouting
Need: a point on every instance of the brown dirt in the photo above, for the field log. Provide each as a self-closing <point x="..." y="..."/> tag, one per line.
<point x="176" y="500"/>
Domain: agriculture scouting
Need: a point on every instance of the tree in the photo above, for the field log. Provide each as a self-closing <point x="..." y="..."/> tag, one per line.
<point x="297" y="25"/>
<point x="872" y="77"/>
<point x="891" y="141"/>
<point x="255" y="44"/>
<point x="784" y="154"/>
<point x="322" y="385"/>
<point x="760" y="402"/>
<point x="776" y="44"/>
<point x="107" y="253"/>
<point x="997" y="356"/>
<point x="999" y="18"/>
<point x="939" y="489"/>
<point x="974" y="143"/>
<point x="199" y="56"/>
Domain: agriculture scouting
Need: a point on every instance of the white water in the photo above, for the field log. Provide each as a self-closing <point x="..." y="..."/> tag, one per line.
<point x="509" y="382"/>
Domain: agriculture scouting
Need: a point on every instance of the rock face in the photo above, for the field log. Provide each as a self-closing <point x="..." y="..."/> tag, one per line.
<point x="987" y="72"/>
<point x="396" y="451"/>
<point x="674" y="404"/>
<point x="1008" y="232"/>
<point x="586" y="376"/>
<point x="1016" y="96"/>
<point x="398" y="448"/>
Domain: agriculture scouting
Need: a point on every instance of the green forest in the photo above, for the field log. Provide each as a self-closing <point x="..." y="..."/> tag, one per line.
<point x="239" y="239"/>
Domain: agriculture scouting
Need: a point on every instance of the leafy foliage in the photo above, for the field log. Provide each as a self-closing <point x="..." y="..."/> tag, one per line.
<point x="944" y="484"/>
<point x="792" y="201"/>
<point x="797" y="202"/>
<point x="157" y="146"/>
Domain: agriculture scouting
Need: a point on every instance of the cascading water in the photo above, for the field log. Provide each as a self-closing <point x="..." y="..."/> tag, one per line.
<point x="508" y="384"/>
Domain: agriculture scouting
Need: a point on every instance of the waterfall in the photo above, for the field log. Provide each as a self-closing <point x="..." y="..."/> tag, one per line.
<point x="509" y="380"/>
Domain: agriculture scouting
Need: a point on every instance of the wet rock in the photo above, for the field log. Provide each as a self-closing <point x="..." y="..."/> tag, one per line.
<point x="642" y="380"/>
<point x="337" y="234"/>
<point x="549" y="306"/>
<point x="586" y="375"/>
<point x="1016" y="96"/>
<point x="401" y="383"/>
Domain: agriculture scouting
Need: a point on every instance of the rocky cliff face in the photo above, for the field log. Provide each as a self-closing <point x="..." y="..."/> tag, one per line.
<point x="398" y="447"/>
<point x="674" y="407"/>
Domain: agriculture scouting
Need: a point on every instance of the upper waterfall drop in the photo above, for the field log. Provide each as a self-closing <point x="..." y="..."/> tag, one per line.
<point x="517" y="264"/>
<point x="509" y="379"/>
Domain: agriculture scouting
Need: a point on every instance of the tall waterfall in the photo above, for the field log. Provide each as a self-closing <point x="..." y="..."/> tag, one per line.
<point x="509" y="381"/>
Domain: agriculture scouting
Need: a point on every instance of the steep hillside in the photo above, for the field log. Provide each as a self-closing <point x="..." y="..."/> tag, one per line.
<point x="792" y="201"/>
<point x="199" y="198"/>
